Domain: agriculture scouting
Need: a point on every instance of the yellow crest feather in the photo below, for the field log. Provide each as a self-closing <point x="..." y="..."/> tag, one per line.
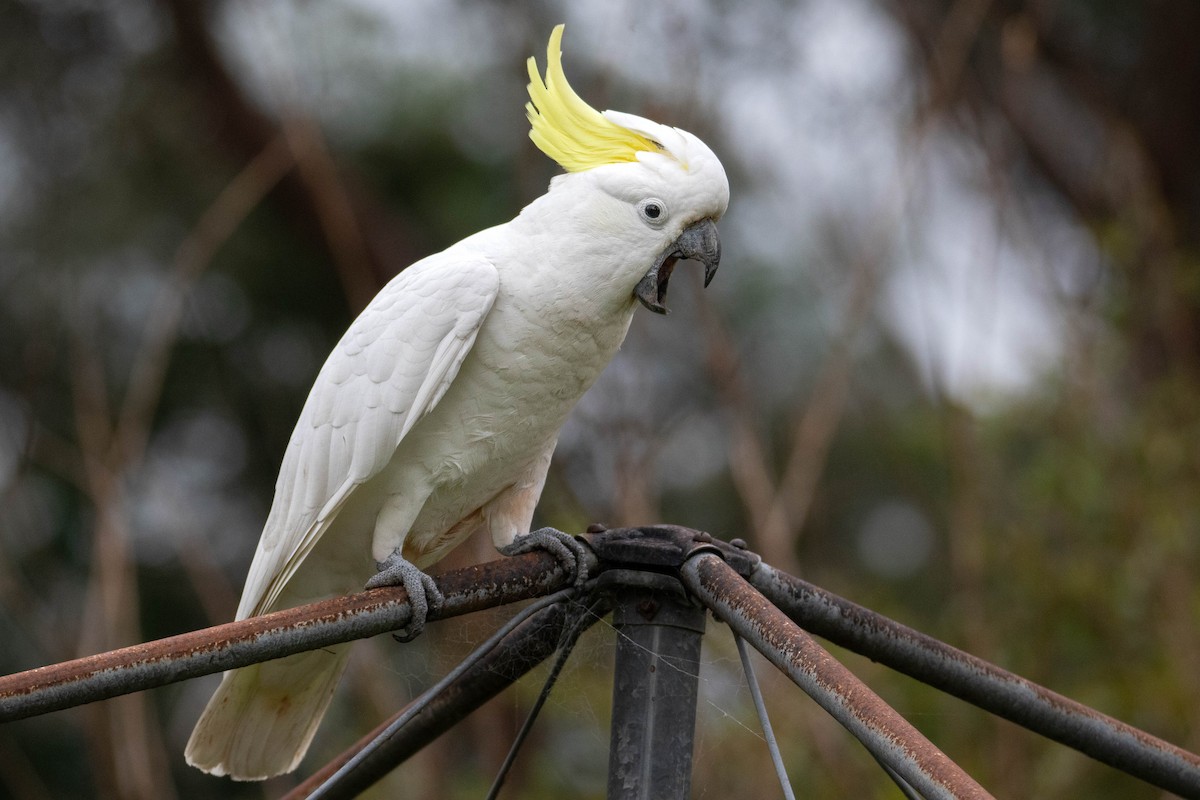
<point x="566" y="128"/>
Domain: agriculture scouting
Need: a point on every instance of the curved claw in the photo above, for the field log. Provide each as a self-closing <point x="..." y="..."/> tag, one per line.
<point x="423" y="592"/>
<point x="569" y="551"/>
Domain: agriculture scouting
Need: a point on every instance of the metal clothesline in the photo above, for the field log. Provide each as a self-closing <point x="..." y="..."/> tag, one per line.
<point x="659" y="581"/>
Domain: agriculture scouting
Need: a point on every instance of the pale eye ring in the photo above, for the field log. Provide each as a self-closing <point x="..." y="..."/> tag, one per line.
<point x="653" y="211"/>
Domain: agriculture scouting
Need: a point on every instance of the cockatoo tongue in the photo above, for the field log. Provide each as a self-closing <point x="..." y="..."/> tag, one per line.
<point x="700" y="242"/>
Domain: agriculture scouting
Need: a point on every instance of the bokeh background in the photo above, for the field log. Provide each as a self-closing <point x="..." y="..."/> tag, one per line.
<point x="949" y="368"/>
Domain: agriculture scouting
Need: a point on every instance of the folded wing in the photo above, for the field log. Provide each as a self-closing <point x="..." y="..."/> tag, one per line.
<point x="391" y="368"/>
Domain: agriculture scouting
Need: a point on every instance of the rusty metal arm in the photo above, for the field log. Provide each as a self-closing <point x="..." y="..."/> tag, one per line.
<point x="529" y="645"/>
<point x="980" y="683"/>
<point x="886" y="735"/>
<point x="237" y="644"/>
<point x="765" y="620"/>
<point x="494" y="666"/>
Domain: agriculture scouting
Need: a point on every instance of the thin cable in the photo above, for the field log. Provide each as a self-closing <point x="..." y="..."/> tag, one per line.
<point x="904" y="786"/>
<point x="419" y="705"/>
<point x="761" y="707"/>
<point x="570" y="636"/>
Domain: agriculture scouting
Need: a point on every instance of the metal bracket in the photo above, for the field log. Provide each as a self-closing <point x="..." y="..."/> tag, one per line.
<point x="665" y="548"/>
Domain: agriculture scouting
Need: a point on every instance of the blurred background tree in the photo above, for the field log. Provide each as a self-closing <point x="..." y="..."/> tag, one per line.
<point x="949" y="370"/>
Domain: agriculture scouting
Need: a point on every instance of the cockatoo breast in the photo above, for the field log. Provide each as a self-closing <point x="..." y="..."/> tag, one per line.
<point x="546" y="340"/>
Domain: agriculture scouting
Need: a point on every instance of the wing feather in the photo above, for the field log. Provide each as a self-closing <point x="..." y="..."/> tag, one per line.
<point x="392" y="366"/>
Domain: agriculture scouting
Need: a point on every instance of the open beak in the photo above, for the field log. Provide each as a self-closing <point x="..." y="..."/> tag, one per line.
<point x="700" y="242"/>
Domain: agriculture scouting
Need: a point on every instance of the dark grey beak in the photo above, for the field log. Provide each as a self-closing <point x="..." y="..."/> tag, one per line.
<point x="699" y="242"/>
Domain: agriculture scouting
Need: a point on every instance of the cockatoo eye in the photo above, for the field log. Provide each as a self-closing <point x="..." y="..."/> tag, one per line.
<point x="653" y="211"/>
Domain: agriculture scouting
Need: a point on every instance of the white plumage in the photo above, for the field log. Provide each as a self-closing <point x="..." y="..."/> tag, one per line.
<point x="438" y="411"/>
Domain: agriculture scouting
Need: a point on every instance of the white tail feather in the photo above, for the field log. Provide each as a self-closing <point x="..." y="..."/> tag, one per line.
<point x="262" y="718"/>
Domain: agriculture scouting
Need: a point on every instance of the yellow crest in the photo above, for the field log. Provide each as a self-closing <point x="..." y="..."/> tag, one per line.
<point x="566" y="128"/>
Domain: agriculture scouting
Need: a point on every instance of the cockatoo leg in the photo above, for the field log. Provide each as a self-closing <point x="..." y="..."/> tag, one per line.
<point x="569" y="551"/>
<point x="423" y="592"/>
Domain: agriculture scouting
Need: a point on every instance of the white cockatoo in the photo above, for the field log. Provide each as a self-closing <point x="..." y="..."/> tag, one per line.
<point x="437" y="413"/>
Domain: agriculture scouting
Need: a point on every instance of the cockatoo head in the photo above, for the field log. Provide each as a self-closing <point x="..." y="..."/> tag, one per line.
<point x="660" y="189"/>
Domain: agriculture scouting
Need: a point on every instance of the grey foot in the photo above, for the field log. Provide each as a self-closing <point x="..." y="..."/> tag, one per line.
<point x="423" y="593"/>
<point x="568" y="550"/>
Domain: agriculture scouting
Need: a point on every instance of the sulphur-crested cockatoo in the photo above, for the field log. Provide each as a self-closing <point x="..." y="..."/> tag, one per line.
<point x="437" y="413"/>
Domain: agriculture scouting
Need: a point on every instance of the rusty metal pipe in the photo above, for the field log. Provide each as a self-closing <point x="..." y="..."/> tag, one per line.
<point x="249" y="641"/>
<point x="531" y="643"/>
<point x="887" y="735"/>
<point x="656" y="674"/>
<point x="980" y="683"/>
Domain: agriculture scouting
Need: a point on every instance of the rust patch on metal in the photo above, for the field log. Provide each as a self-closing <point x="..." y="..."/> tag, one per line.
<point x="983" y="684"/>
<point x="237" y="644"/>
<point x="826" y="680"/>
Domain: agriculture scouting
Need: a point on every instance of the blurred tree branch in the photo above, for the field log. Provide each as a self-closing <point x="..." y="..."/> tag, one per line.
<point x="777" y="507"/>
<point x="230" y="208"/>
<point x="367" y="244"/>
<point x="1112" y="134"/>
<point x="130" y="756"/>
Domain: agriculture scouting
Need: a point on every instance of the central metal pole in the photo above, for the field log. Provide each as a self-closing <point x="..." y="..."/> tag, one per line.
<point x="659" y="631"/>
